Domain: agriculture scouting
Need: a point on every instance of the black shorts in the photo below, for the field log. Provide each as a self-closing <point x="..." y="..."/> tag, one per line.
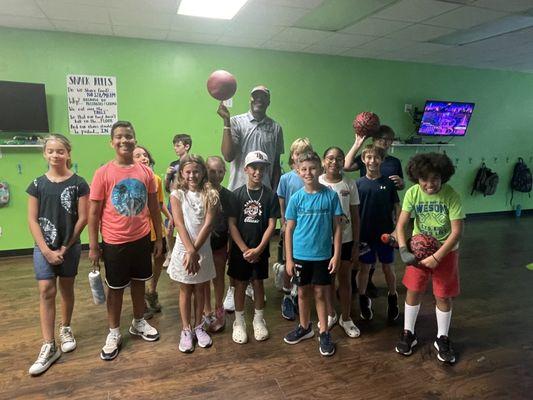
<point x="164" y="246"/>
<point x="312" y="272"/>
<point x="242" y="270"/>
<point x="127" y="261"/>
<point x="346" y="251"/>
<point x="219" y="240"/>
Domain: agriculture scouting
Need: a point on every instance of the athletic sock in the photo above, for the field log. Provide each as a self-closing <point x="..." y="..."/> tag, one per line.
<point x="137" y="321"/>
<point x="443" y="322"/>
<point x="239" y="317"/>
<point x="116" y="331"/>
<point x="411" y="313"/>
<point x="258" y="316"/>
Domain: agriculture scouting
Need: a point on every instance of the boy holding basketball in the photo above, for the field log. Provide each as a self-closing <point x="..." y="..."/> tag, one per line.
<point x="437" y="211"/>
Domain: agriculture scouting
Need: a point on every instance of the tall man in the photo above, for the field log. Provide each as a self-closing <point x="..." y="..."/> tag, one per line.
<point x="248" y="132"/>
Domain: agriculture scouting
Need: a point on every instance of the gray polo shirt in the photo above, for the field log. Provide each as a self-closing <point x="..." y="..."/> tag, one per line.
<point x="248" y="135"/>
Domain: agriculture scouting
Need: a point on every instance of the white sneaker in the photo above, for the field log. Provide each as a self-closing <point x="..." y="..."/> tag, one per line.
<point x="229" y="301"/>
<point x="279" y="272"/>
<point x="68" y="343"/>
<point x="239" y="334"/>
<point x="349" y="328"/>
<point x="144" y="330"/>
<point x="250" y="291"/>
<point x="332" y="320"/>
<point x="166" y="263"/>
<point x="47" y="356"/>
<point x="260" y="330"/>
<point x="112" y="346"/>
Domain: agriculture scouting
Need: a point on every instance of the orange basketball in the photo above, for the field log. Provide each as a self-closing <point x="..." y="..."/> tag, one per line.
<point x="221" y="85"/>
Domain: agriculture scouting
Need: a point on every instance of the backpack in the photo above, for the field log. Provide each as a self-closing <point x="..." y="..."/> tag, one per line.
<point x="486" y="181"/>
<point x="4" y="194"/>
<point x="521" y="180"/>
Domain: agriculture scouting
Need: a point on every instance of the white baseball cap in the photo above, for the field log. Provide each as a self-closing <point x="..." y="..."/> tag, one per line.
<point x="261" y="88"/>
<point x="257" y="157"/>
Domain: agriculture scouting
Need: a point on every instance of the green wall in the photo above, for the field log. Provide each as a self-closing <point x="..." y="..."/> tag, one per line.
<point x="161" y="89"/>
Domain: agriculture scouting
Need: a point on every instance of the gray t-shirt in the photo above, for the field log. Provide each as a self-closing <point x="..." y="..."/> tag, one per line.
<point x="249" y="135"/>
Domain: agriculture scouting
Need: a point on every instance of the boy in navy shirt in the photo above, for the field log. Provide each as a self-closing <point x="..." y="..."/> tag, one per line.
<point x="378" y="210"/>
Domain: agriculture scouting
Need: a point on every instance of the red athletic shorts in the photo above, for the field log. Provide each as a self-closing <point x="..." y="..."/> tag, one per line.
<point x="445" y="277"/>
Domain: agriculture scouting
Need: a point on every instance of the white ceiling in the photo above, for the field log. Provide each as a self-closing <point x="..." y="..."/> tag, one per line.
<point x="396" y="30"/>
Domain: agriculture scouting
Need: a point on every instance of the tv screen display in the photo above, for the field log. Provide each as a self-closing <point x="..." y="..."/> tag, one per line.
<point x="23" y="107"/>
<point x="445" y="118"/>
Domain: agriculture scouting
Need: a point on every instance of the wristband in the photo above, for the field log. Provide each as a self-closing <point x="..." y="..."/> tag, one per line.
<point x="227" y="128"/>
<point x="435" y="258"/>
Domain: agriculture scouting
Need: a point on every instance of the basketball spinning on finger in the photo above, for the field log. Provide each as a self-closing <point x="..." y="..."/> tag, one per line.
<point x="221" y="85"/>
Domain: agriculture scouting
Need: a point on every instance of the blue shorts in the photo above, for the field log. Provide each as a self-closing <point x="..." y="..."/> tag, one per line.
<point x="69" y="269"/>
<point x="385" y="254"/>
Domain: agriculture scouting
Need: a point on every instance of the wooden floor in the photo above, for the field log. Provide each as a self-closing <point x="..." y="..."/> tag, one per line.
<point x="492" y="329"/>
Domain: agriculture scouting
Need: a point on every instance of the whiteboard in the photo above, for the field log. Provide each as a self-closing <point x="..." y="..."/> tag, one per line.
<point x="92" y="104"/>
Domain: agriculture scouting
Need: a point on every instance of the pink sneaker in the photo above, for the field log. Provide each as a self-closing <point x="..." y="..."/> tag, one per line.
<point x="202" y="337"/>
<point x="186" y="341"/>
<point x="220" y="321"/>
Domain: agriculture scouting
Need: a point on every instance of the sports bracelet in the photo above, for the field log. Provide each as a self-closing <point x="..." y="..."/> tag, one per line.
<point x="435" y="258"/>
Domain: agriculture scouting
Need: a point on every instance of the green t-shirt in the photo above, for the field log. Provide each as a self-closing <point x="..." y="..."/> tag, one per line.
<point x="433" y="213"/>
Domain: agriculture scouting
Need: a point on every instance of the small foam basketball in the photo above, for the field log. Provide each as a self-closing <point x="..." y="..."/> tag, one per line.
<point x="221" y="85"/>
<point x="423" y="246"/>
<point x="366" y="124"/>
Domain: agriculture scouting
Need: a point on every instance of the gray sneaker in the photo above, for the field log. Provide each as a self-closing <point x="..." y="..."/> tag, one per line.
<point x="112" y="346"/>
<point x="144" y="330"/>
<point x="47" y="356"/>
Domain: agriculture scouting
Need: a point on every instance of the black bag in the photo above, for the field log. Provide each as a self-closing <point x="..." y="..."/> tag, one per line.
<point x="486" y="181"/>
<point x="521" y="180"/>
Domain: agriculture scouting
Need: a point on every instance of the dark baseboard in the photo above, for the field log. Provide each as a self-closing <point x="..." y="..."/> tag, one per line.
<point x="486" y="215"/>
<point x="27" y="252"/>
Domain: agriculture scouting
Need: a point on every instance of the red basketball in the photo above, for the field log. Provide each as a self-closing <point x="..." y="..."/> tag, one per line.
<point x="221" y="85"/>
<point x="423" y="246"/>
<point x="366" y="124"/>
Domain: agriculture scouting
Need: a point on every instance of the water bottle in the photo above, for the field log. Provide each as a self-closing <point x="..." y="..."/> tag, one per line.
<point x="518" y="211"/>
<point x="389" y="239"/>
<point x="97" y="287"/>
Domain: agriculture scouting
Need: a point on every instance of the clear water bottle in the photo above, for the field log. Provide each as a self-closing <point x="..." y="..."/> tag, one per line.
<point x="97" y="287"/>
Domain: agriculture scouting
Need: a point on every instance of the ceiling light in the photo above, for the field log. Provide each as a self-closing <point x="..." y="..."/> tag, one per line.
<point x="220" y="9"/>
<point x="488" y="30"/>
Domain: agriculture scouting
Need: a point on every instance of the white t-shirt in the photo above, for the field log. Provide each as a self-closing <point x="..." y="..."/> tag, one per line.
<point x="346" y="189"/>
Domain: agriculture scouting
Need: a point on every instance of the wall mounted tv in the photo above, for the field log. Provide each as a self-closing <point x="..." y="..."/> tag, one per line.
<point x="445" y="118"/>
<point x="23" y="107"/>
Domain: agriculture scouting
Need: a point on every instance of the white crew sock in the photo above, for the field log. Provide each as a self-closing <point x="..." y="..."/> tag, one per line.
<point x="443" y="322"/>
<point x="239" y="317"/>
<point x="116" y="331"/>
<point x="410" y="315"/>
<point x="258" y="316"/>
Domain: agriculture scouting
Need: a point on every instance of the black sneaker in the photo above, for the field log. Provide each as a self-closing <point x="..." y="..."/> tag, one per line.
<point x="326" y="345"/>
<point x="371" y="289"/>
<point x="445" y="351"/>
<point x="365" y="304"/>
<point x="393" y="312"/>
<point x="406" y="344"/>
<point x="299" y="334"/>
<point x="287" y="308"/>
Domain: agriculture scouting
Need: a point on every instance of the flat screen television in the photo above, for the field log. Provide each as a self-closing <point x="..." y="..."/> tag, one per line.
<point x="445" y="118"/>
<point x="23" y="107"/>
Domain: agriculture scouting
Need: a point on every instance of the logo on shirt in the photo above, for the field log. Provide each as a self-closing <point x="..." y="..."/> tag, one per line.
<point x="49" y="231"/>
<point x="252" y="211"/>
<point x="344" y="193"/>
<point x="67" y="199"/>
<point x="129" y="197"/>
